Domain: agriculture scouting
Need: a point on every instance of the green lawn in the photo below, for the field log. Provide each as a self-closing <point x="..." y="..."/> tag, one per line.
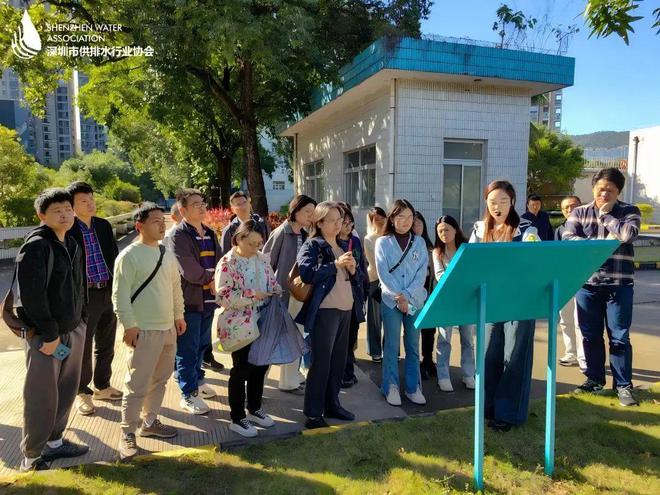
<point x="601" y="448"/>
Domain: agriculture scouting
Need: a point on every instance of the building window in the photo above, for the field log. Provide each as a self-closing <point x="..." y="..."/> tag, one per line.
<point x="314" y="177"/>
<point x="558" y="97"/>
<point x="461" y="185"/>
<point x="360" y="177"/>
<point x="278" y="185"/>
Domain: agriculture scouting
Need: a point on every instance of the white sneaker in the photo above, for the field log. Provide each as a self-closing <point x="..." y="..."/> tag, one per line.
<point x="393" y="396"/>
<point x="244" y="428"/>
<point x="205" y="392"/>
<point x="85" y="404"/>
<point x="445" y="385"/>
<point x="261" y="418"/>
<point x="194" y="404"/>
<point x="417" y="397"/>
<point x="469" y="382"/>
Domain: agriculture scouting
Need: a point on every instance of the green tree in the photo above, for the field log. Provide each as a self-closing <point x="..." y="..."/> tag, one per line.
<point x="607" y="17"/>
<point x="554" y="162"/>
<point x="21" y="179"/>
<point x="511" y="25"/>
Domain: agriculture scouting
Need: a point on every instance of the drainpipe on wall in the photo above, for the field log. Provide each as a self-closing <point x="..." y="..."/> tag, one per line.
<point x="296" y="177"/>
<point x="75" y="107"/>
<point x="393" y="133"/>
<point x="633" y="173"/>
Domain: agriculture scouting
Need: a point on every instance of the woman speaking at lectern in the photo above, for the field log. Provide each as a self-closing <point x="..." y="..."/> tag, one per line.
<point x="509" y="344"/>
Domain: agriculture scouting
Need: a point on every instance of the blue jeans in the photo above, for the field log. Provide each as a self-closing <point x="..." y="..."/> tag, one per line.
<point x="508" y="369"/>
<point x="392" y="320"/>
<point x="444" y="351"/>
<point x="607" y="308"/>
<point x="190" y="347"/>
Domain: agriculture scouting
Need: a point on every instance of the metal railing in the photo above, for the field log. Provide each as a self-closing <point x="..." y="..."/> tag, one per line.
<point x="491" y="44"/>
<point x="10" y="236"/>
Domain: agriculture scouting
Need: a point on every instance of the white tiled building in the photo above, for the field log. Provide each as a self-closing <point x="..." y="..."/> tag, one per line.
<point x="403" y="125"/>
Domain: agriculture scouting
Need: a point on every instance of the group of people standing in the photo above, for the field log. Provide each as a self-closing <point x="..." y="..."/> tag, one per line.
<point x="166" y="290"/>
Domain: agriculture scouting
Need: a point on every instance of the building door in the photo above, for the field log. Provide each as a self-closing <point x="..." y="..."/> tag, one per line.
<point x="461" y="183"/>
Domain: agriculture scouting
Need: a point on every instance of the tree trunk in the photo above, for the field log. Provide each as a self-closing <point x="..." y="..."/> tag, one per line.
<point x="255" y="179"/>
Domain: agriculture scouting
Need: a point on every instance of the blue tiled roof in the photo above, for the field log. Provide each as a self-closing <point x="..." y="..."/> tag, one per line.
<point x="444" y="57"/>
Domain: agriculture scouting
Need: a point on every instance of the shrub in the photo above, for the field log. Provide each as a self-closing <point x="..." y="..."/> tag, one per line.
<point x="647" y="212"/>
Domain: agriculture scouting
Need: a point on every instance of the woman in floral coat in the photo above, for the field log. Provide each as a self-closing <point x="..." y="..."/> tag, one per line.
<point x="244" y="281"/>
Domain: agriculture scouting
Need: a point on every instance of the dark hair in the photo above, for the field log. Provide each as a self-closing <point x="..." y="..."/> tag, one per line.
<point x="49" y="196"/>
<point x="298" y="203"/>
<point x="425" y="231"/>
<point x="439" y="246"/>
<point x="79" y="187"/>
<point x="142" y="213"/>
<point x="572" y="196"/>
<point x="345" y="205"/>
<point x="512" y="220"/>
<point x="244" y="230"/>
<point x="398" y="207"/>
<point x="182" y="195"/>
<point x="534" y="197"/>
<point x="238" y="194"/>
<point x="613" y="175"/>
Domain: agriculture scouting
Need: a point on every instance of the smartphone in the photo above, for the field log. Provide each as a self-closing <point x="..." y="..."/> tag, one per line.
<point x="61" y="351"/>
<point x="350" y="245"/>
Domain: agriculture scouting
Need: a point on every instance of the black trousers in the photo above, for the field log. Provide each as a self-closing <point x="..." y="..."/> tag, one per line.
<point x="329" y="343"/>
<point x="349" y="370"/>
<point x="102" y="329"/>
<point x="242" y="373"/>
<point x="428" y="340"/>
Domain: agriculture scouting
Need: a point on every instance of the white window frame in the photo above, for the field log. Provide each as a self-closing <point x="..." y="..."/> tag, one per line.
<point x="318" y="193"/>
<point x="360" y="170"/>
<point x="464" y="163"/>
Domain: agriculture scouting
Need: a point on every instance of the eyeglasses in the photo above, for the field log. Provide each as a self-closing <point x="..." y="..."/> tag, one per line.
<point x="242" y="203"/>
<point x="347" y="223"/>
<point x="199" y="206"/>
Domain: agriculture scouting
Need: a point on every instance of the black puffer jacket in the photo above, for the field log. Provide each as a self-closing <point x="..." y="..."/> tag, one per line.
<point x="59" y="308"/>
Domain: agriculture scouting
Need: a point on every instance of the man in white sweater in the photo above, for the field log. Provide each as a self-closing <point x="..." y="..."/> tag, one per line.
<point x="147" y="297"/>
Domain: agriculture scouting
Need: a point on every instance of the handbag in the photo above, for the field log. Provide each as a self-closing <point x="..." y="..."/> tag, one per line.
<point x="300" y="290"/>
<point x="237" y="329"/>
<point x="377" y="293"/>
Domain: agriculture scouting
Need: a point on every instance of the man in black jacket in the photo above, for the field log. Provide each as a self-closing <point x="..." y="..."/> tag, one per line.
<point x="240" y="205"/>
<point x="95" y="236"/>
<point x="51" y="298"/>
<point x="539" y="218"/>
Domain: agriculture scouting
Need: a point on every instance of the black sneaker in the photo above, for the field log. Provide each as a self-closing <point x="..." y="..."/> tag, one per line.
<point x="313" y="423"/>
<point x="37" y="465"/>
<point x="589" y="387"/>
<point x="212" y="364"/>
<point x="498" y="426"/>
<point x="67" y="449"/>
<point x="626" y="397"/>
<point x="340" y="413"/>
<point x="349" y="382"/>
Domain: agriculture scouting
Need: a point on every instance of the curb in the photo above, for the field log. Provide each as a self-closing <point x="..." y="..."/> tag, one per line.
<point x="647" y="265"/>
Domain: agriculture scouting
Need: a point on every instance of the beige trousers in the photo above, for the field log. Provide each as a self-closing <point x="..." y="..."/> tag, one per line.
<point x="148" y="367"/>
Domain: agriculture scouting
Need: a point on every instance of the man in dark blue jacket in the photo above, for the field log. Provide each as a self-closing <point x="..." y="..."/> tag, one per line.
<point x="539" y="218"/>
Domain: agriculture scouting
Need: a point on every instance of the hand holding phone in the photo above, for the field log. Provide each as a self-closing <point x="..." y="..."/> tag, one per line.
<point x="60" y="351"/>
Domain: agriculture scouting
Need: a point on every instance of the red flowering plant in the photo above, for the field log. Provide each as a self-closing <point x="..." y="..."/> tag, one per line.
<point x="275" y="219"/>
<point x="218" y="218"/>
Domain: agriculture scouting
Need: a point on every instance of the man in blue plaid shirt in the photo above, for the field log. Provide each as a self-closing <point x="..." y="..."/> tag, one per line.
<point x="606" y="300"/>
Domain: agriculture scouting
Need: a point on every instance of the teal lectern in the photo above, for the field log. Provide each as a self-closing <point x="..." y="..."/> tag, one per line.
<point x="506" y="281"/>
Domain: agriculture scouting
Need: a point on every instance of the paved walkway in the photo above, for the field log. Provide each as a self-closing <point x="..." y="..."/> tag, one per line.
<point x="101" y="431"/>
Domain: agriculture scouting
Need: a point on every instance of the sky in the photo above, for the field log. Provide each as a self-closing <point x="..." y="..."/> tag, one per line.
<point x="616" y="86"/>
